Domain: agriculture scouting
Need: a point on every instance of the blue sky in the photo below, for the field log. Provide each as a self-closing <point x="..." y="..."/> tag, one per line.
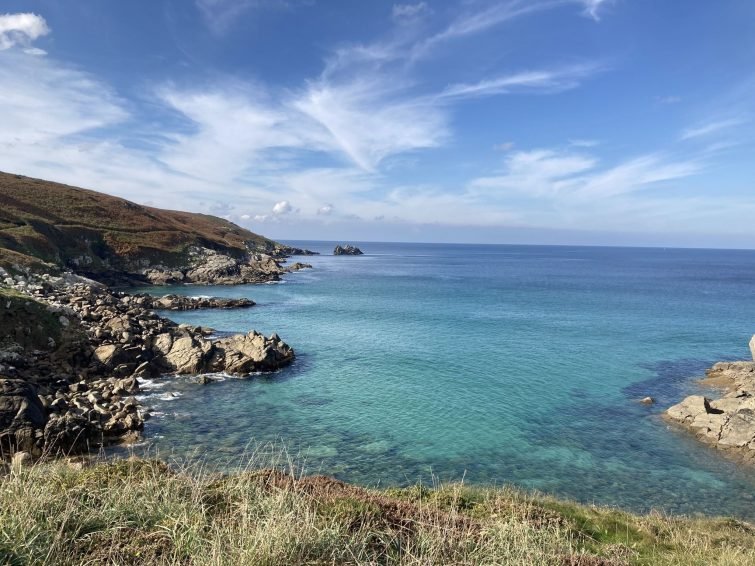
<point x="541" y="121"/>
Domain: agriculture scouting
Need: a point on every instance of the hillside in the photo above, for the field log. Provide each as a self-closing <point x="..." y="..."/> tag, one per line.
<point x="114" y="240"/>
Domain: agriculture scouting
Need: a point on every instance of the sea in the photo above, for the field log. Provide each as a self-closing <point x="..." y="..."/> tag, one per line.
<point x="484" y="364"/>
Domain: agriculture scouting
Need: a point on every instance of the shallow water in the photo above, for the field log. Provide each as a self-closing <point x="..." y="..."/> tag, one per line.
<point x="495" y="364"/>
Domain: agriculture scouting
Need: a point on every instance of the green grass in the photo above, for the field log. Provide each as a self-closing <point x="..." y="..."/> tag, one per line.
<point x="144" y="512"/>
<point x="26" y="322"/>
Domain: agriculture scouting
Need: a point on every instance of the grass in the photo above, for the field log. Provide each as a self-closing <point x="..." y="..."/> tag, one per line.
<point x="26" y="322"/>
<point x="145" y="512"/>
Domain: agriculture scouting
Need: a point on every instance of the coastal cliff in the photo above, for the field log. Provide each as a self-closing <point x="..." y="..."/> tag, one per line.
<point x="728" y="423"/>
<point x="73" y="351"/>
<point x="51" y="227"/>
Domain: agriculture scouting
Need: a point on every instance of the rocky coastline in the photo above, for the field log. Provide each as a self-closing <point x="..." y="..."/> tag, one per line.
<point x="73" y="351"/>
<point x="728" y="422"/>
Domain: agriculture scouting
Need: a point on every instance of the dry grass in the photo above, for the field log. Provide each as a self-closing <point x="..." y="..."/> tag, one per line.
<point x="144" y="512"/>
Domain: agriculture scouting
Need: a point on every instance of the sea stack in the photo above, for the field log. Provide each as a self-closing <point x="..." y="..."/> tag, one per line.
<point x="347" y="250"/>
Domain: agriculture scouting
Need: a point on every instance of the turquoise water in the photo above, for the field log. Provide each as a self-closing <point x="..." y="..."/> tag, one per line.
<point x="492" y="364"/>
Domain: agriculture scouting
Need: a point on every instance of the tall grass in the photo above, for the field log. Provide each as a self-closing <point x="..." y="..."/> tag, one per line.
<point x="146" y="512"/>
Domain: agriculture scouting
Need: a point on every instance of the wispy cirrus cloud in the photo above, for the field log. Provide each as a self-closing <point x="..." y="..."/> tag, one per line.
<point x="712" y="127"/>
<point x="593" y="7"/>
<point x="579" y="176"/>
<point x="542" y="81"/>
<point x="408" y="13"/>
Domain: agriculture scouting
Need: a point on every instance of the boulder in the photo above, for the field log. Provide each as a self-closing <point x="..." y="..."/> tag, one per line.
<point x="689" y="409"/>
<point x="248" y="353"/>
<point x="347" y="250"/>
<point x="188" y="355"/>
<point x="21" y="416"/>
<point x="752" y="347"/>
<point x="739" y="429"/>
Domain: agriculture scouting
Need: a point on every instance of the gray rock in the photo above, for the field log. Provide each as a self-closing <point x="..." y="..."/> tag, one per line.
<point x="347" y="250"/>
<point x="248" y="353"/>
<point x="21" y="416"/>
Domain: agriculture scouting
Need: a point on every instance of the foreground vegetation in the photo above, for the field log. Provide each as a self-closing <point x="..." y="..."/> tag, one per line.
<point x="145" y="512"/>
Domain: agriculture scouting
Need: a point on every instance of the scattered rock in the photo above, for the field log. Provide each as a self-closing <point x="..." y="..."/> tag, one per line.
<point x="347" y="250"/>
<point x="647" y="401"/>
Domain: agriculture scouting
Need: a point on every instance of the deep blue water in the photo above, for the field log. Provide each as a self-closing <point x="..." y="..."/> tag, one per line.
<point x="492" y="364"/>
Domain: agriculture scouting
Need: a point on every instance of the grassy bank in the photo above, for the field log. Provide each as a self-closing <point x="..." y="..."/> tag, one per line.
<point x="143" y="512"/>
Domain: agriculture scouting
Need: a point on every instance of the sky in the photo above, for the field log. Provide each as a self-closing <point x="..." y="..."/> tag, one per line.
<point x="606" y="122"/>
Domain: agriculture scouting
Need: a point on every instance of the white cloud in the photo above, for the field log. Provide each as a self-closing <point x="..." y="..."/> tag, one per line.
<point x="325" y="209"/>
<point x="584" y="143"/>
<point x="404" y="13"/>
<point x="220" y="15"/>
<point x="282" y="207"/>
<point x="504" y="146"/>
<point x="592" y="7"/>
<point x="369" y="120"/>
<point x="576" y="177"/>
<point x="541" y="81"/>
<point x="670" y="99"/>
<point x="21" y="30"/>
<point x="42" y="100"/>
<point x="710" y="128"/>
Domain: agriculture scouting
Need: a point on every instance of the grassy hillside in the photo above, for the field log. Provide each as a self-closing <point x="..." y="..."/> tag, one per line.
<point x="142" y="512"/>
<point x="92" y="232"/>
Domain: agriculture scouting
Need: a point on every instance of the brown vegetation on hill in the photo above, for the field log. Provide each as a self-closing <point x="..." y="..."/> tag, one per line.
<point x="95" y="233"/>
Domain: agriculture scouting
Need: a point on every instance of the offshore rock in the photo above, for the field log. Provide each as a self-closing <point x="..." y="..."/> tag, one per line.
<point x="347" y="250"/>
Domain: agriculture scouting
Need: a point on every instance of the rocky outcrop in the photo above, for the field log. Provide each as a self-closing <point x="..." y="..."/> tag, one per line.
<point x="347" y="250"/>
<point x="253" y="352"/>
<point x="75" y="391"/>
<point x="728" y="423"/>
<point x="205" y="266"/>
<point x="184" y="303"/>
<point x="297" y="266"/>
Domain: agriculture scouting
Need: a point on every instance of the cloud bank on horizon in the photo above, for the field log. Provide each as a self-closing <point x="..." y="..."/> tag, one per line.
<point x="544" y="121"/>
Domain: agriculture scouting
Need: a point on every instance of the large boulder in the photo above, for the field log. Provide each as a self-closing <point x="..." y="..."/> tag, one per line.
<point x="188" y="354"/>
<point x="752" y="347"/>
<point x="22" y="415"/>
<point x="244" y="354"/>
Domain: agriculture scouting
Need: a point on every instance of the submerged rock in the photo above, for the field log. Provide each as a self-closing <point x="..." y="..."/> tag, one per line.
<point x="347" y="250"/>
